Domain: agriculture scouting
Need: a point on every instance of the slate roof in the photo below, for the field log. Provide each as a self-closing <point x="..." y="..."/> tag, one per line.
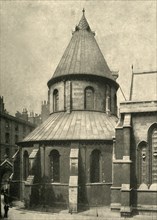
<point x="144" y="86"/>
<point x="77" y="125"/>
<point x="83" y="55"/>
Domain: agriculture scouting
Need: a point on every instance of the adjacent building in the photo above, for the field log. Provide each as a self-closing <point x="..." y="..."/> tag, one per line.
<point x="135" y="148"/>
<point x="14" y="129"/>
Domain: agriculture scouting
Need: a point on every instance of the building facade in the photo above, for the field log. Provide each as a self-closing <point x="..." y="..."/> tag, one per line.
<point x="76" y="157"/>
<point x="12" y="130"/>
<point x="135" y="149"/>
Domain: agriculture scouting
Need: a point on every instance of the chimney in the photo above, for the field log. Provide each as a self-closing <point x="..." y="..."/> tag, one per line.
<point x="25" y="114"/>
<point x="1" y="104"/>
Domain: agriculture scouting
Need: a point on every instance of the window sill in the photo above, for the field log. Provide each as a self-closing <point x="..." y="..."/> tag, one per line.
<point x="99" y="183"/>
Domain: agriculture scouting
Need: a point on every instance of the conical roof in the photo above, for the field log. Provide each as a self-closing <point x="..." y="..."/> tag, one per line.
<point x="83" y="55"/>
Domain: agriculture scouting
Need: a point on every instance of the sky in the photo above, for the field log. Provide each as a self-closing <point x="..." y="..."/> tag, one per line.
<point x="34" y="35"/>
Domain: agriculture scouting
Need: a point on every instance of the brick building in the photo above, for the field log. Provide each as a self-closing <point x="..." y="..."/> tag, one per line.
<point x="14" y="129"/>
<point x="77" y="157"/>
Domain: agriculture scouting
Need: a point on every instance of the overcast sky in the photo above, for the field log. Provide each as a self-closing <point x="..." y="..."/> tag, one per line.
<point x="34" y="35"/>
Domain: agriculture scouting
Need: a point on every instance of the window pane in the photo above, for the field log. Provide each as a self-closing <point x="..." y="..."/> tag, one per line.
<point x="25" y="165"/>
<point x="55" y="166"/>
<point x="95" y="166"/>
<point x="89" y="99"/>
<point x="154" y="156"/>
<point x="55" y="101"/>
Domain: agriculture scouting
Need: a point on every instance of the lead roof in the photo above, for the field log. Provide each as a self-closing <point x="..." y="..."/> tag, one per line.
<point x="78" y="125"/>
<point x="82" y="55"/>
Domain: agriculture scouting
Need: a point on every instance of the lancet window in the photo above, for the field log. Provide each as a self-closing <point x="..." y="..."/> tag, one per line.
<point x="154" y="155"/>
<point x="55" y="100"/>
<point x="25" y="165"/>
<point x="95" y="165"/>
<point x="147" y="157"/>
<point x="108" y="98"/>
<point x="55" y="166"/>
<point x="89" y="98"/>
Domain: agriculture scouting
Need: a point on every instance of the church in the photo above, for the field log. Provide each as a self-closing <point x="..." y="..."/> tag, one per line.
<point x="83" y="155"/>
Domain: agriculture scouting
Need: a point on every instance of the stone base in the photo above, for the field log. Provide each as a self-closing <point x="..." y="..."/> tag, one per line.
<point x="126" y="211"/>
<point x="115" y="206"/>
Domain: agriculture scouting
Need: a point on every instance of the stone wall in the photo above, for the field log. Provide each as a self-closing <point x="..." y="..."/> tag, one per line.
<point x="71" y="95"/>
<point x="90" y="194"/>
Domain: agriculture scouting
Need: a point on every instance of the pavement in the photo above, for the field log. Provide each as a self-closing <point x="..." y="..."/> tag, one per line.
<point x="18" y="212"/>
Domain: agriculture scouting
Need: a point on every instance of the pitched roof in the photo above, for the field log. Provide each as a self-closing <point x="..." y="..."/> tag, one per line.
<point x="83" y="55"/>
<point x="144" y="86"/>
<point x="78" y="125"/>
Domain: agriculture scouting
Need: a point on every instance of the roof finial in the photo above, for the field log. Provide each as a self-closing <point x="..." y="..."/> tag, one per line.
<point x="132" y="67"/>
<point x="83" y="11"/>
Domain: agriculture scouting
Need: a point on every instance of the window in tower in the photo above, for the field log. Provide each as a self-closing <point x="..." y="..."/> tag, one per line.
<point x="108" y="98"/>
<point x="95" y="164"/>
<point x="25" y="165"/>
<point x="89" y="98"/>
<point x="115" y="104"/>
<point x="55" y="166"/>
<point x="55" y="100"/>
<point x="143" y="162"/>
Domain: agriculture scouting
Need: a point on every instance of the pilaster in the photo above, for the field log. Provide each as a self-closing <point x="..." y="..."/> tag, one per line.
<point x="120" y="190"/>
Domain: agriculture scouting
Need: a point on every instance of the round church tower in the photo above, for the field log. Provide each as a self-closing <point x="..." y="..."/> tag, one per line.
<point x="68" y="159"/>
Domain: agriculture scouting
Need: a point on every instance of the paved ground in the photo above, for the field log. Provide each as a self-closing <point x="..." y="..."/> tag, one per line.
<point x="17" y="212"/>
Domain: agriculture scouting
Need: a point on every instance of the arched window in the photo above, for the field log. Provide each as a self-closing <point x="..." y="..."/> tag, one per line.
<point x="95" y="166"/>
<point x="55" y="100"/>
<point x="115" y="104"/>
<point x="154" y="155"/>
<point x="108" y="98"/>
<point x="89" y="98"/>
<point x="25" y="165"/>
<point x="143" y="163"/>
<point x="55" y="166"/>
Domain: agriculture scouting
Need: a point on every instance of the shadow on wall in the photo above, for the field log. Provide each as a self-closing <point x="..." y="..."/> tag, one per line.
<point x="44" y="194"/>
<point x="82" y="192"/>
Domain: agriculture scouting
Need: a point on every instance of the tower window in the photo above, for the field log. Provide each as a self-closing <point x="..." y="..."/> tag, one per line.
<point x="25" y="165"/>
<point x="108" y="98"/>
<point x="95" y="166"/>
<point x="55" y="100"/>
<point x="55" y="166"/>
<point x="89" y="98"/>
